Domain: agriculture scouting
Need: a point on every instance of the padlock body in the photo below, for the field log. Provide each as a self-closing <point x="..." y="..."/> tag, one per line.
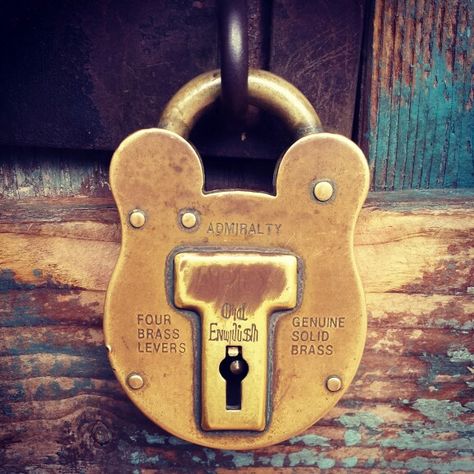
<point x="263" y="283"/>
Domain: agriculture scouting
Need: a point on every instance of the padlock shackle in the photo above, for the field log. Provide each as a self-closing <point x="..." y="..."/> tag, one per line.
<point x="266" y="90"/>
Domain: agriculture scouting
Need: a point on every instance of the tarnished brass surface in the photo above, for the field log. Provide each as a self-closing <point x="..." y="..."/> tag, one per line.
<point x="235" y="295"/>
<point x="266" y="90"/>
<point x="160" y="173"/>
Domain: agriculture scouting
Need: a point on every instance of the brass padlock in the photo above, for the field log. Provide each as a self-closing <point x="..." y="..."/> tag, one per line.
<point x="236" y="319"/>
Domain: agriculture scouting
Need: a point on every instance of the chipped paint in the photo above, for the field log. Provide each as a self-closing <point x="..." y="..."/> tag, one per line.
<point x="240" y="459"/>
<point x="352" y="437"/>
<point x="440" y="411"/>
<point x="444" y="417"/>
<point x="420" y="464"/>
<point x="367" y="419"/>
<point x="310" y="440"/>
<point x="350" y="461"/>
<point x="307" y="457"/>
<point x="460" y="355"/>
<point x="420" y="132"/>
<point x="454" y="324"/>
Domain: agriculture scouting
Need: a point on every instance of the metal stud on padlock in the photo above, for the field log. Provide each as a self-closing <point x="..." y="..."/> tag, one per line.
<point x="236" y="319"/>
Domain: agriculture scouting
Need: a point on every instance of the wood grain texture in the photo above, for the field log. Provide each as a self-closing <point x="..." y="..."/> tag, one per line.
<point x="409" y="409"/>
<point x="83" y="75"/>
<point x="316" y="45"/>
<point x="420" y="95"/>
<point x="38" y="172"/>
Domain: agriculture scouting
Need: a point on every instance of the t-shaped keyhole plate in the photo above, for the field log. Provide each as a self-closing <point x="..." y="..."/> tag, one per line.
<point x="235" y="293"/>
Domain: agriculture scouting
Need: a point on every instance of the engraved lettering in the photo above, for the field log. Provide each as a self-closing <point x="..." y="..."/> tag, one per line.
<point x="312" y="349"/>
<point x="243" y="229"/>
<point x="150" y="319"/>
<point x="229" y="310"/>
<point x="229" y="228"/>
<point x="156" y="334"/>
<point x="238" y="333"/>
<point x="162" y="347"/>
<point x="319" y="322"/>
<point x="312" y="335"/>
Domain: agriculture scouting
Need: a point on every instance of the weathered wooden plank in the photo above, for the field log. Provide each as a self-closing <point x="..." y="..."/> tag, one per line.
<point x="420" y="95"/>
<point x="409" y="409"/>
<point x="316" y="45"/>
<point x="27" y="173"/>
<point x="429" y="252"/>
<point x="84" y="75"/>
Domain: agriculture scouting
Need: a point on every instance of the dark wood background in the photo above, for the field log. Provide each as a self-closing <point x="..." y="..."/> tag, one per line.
<point x="77" y="77"/>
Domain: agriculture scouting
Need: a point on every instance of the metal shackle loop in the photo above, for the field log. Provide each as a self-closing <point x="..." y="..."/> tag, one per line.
<point x="266" y="90"/>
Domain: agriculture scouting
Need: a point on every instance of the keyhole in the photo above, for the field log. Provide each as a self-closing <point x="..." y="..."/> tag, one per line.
<point x="233" y="369"/>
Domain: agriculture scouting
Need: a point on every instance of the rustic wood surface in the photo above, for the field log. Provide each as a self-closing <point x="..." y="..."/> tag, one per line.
<point x="409" y="410"/>
<point x="418" y="117"/>
<point x="82" y="75"/>
<point x="316" y="46"/>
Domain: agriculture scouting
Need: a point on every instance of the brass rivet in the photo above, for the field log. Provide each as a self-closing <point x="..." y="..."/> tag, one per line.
<point x="323" y="191"/>
<point x="334" y="383"/>
<point x="137" y="218"/>
<point x="135" y="381"/>
<point x="188" y="219"/>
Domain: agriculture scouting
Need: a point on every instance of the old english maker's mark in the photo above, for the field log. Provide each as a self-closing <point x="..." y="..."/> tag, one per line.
<point x="202" y="282"/>
<point x="236" y="319"/>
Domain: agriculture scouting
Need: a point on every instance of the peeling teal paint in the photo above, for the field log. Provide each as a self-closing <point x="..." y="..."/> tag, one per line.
<point x="310" y="440"/>
<point x="350" y="461"/>
<point x="420" y="439"/>
<point x="451" y="364"/>
<point x="28" y="346"/>
<point x="441" y="411"/>
<point x="240" y="459"/>
<point x="357" y="420"/>
<point x="352" y="437"/>
<point x="210" y="454"/>
<point x="422" y="135"/>
<point x="8" y="281"/>
<point x="370" y="462"/>
<point x="138" y="458"/>
<point x="454" y="324"/>
<point x="306" y="457"/>
<point x="444" y="417"/>
<point x="459" y="354"/>
<point x="421" y="464"/>
<point x="354" y="422"/>
<point x="161" y="439"/>
<point x="155" y="439"/>
<point x="278" y="460"/>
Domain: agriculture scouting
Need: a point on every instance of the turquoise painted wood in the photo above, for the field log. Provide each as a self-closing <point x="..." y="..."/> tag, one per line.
<point x="421" y="125"/>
